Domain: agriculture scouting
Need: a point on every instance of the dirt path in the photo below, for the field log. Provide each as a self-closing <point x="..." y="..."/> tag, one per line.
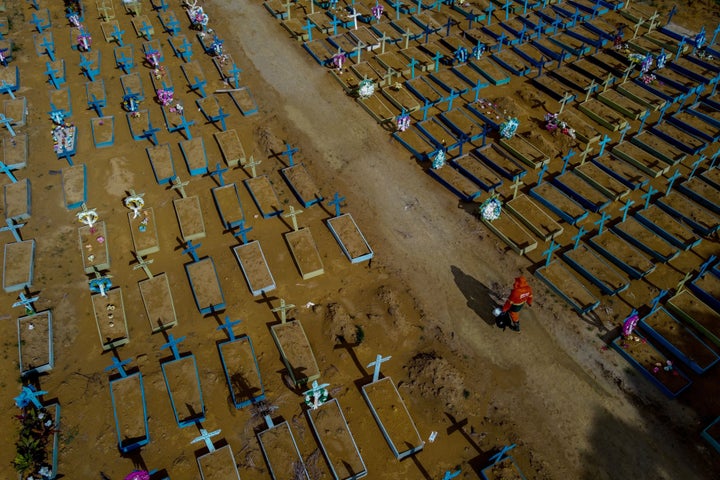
<point x="549" y="382"/>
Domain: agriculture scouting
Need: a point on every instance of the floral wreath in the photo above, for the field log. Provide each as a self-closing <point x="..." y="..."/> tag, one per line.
<point x="321" y="398"/>
<point x="490" y="209"/>
<point x="88" y="217"/>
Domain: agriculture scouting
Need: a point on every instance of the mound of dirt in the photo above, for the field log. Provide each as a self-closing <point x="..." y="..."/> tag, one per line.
<point x="433" y="377"/>
<point x="340" y="325"/>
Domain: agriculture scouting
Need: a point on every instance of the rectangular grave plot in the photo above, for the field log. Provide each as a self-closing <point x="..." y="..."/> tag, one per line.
<point x="130" y="412"/>
<point x="679" y="138"/>
<point x="659" y="148"/>
<point x="228" y="205"/>
<point x="534" y="217"/>
<point x="602" y="114"/>
<point x="230" y="147"/>
<point x="645" y="240"/>
<point x="158" y="301"/>
<point x="701" y="192"/>
<point x="35" y="343"/>
<point x="525" y="151"/>
<point x="254" y="267"/>
<point x="103" y="131"/>
<point x="350" y="238"/>
<point x="190" y="218"/>
<point x="697" y="313"/>
<point x="460" y="185"/>
<point x="596" y="270"/>
<point x="132" y="85"/>
<point x="712" y="434"/>
<point x="144" y="232"/>
<point x="584" y="131"/>
<point x="393" y="418"/>
<point x="110" y="318"/>
<point x="296" y="352"/>
<point x="182" y="381"/>
<point x="666" y="226"/>
<point x="17" y="200"/>
<point x="224" y="63"/>
<point x="697" y="217"/>
<point x="622" y="104"/>
<point x="582" y="192"/>
<point x="623" y="254"/>
<point x="667" y="331"/>
<point x="138" y="24"/>
<point x="205" y="285"/>
<point x="641" y="158"/>
<point x="193" y="151"/>
<point x="94" y="247"/>
<point x="602" y="181"/>
<point x="242" y="372"/>
<point x="707" y="287"/>
<point x="302" y="185"/>
<point x="500" y="160"/>
<point x="565" y="284"/>
<point x="138" y="122"/>
<point x="74" y="182"/>
<point x="18" y="265"/>
<point x="16" y="109"/>
<point x="161" y="163"/>
<point x="644" y="356"/>
<point x="305" y="253"/>
<point x="560" y="204"/>
<point x="281" y="452"/>
<point x="244" y="101"/>
<point x="264" y="196"/>
<point x="512" y="233"/>
<point x="15" y="151"/>
<point x="641" y="95"/>
<point x="336" y="441"/>
<point x="627" y="174"/>
<point x="218" y="465"/>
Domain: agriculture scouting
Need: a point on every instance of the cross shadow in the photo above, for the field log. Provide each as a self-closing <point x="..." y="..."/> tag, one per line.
<point x="477" y="295"/>
<point x="136" y="457"/>
<point x="420" y="467"/>
<point x="266" y="299"/>
<point x="342" y="343"/>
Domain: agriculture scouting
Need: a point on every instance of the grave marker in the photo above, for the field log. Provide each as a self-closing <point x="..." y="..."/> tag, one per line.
<point x="549" y="252"/>
<point x="179" y="185"/>
<point x="566" y="160"/>
<point x="576" y="239"/>
<point x="317" y="395"/>
<point x="283" y="308"/>
<point x="605" y="140"/>
<point x="26" y="303"/>
<point x="655" y="303"/>
<point x="29" y="394"/>
<point x="336" y="202"/>
<point x="648" y="196"/>
<point x="379" y="360"/>
<point x="671" y="181"/>
<point x="626" y="208"/>
<point x="207" y="438"/>
<point x="601" y="222"/>
<point x="144" y="264"/>
<point x="293" y="215"/>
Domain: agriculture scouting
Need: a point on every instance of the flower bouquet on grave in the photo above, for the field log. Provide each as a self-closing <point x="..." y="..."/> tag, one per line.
<point x="131" y="104"/>
<point x="177" y="108"/>
<point x="32" y="459"/>
<point x="84" y="40"/>
<point x="439" y="159"/>
<point x="403" y="122"/>
<point x="63" y="136"/>
<point x="159" y="72"/>
<point x="490" y="209"/>
<point x="198" y="18"/>
<point x="366" y="88"/>
<point x="216" y="47"/>
<point x="338" y="60"/>
<point x="509" y="127"/>
<point x="138" y="475"/>
<point x="377" y="11"/>
<point x="153" y="58"/>
<point x="165" y="96"/>
<point x="648" y="78"/>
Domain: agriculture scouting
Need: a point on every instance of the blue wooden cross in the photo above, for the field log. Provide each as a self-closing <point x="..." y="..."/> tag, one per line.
<point x="228" y="327"/>
<point x="683" y="97"/>
<point x="648" y="196"/>
<point x="557" y="23"/>
<point x="185" y="126"/>
<point x="578" y="237"/>
<point x="6" y="122"/>
<point x="541" y="173"/>
<point x="601" y="222"/>
<point x="427" y="30"/>
<point x="40" y="23"/>
<point x="626" y="208"/>
<point x="602" y="144"/>
<point x="479" y="86"/>
<point x="242" y="231"/>
<point x="52" y="73"/>
<point x="470" y="16"/>
<point x="289" y="151"/>
<point x="96" y="104"/>
<point x="185" y="50"/>
<point x="5" y="169"/>
<point x="206" y="437"/>
<point x="500" y="40"/>
<point x="397" y="10"/>
<point x="26" y="303"/>
<point x="173" y="27"/>
<point x="706" y="264"/>
<point x="336" y="202"/>
<point x="309" y="28"/>
<point x="100" y="284"/>
<point x="146" y="29"/>
<point x="450" y="475"/>
<point x="523" y="32"/>
<point x="575" y="17"/>
<point x="566" y="160"/>
<point x="485" y="131"/>
<point x="508" y="4"/>
<point x="235" y="72"/>
<point x="412" y="64"/>
<point x="549" y="252"/>
<point x="489" y="12"/>
<point x="14" y="228"/>
<point x="49" y="46"/>
<point x="220" y="117"/>
<point x="654" y="304"/>
<point x="172" y="344"/>
<point x="190" y="248"/>
<point x="159" y="5"/>
<point x="427" y="106"/>
<point x="379" y="360"/>
<point x="437" y="58"/>
<point x="448" y="25"/>
<point x="199" y="85"/>
<point x="698" y="91"/>
<point x="119" y="366"/>
<point x="671" y="181"/>
<point x="86" y="66"/>
<point x="680" y="48"/>
<point x="335" y="22"/>
<point x="501" y="454"/>
<point x="29" y="394"/>
<point x="463" y="138"/>
<point x="672" y="13"/>
<point x="715" y="34"/>
<point x="713" y="159"/>
<point x="124" y="62"/>
<point x="714" y="82"/>
<point x="539" y="28"/>
<point x="56" y="115"/>
<point x="34" y="3"/>
<point x="623" y="131"/>
<point x="117" y="34"/>
<point x="218" y="172"/>
<point x="452" y="96"/>
<point x="643" y="117"/>
<point x="149" y="133"/>
<point x="696" y="164"/>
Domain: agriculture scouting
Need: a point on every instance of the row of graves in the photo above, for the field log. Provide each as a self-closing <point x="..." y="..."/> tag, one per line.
<point x="637" y="95"/>
<point x="145" y="66"/>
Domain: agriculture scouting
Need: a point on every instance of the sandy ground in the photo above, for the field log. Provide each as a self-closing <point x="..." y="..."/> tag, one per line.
<point x="574" y="409"/>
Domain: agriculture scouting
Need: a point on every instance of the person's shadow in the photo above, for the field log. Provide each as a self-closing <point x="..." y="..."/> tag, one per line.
<point x="478" y="296"/>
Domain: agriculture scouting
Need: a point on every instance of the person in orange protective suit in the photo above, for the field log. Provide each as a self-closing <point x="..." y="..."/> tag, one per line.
<point x="520" y="295"/>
